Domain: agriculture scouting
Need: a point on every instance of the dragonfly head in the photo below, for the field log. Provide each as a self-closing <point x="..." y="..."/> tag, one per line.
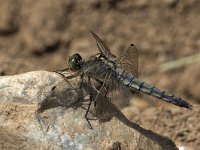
<point x="75" y="62"/>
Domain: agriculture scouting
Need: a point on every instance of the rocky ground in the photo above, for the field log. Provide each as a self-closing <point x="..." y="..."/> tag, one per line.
<point x="40" y="34"/>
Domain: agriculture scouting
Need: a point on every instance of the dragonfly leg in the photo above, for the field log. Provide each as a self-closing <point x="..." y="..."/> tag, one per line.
<point x="81" y="81"/>
<point x="69" y="77"/>
<point x="62" y="70"/>
<point x="66" y="79"/>
<point x="103" y="85"/>
<point x="89" y="105"/>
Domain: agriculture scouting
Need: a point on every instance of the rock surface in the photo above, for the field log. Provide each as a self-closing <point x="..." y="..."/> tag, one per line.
<point x="55" y="127"/>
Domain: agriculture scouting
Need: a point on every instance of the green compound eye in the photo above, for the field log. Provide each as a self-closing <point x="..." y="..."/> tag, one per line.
<point x="75" y="62"/>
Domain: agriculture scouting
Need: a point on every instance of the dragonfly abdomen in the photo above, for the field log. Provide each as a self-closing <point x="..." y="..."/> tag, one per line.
<point x="135" y="84"/>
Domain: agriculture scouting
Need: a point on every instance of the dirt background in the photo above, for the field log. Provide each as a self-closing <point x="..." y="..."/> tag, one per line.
<point x="40" y="34"/>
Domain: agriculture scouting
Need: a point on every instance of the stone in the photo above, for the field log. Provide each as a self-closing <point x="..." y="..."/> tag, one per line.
<point x="40" y="110"/>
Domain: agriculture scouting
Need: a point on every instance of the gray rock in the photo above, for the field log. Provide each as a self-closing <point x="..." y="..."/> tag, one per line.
<point x="38" y="111"/>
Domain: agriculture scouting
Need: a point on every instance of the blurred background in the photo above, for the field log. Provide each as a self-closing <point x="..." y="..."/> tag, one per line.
<point x="41" y="34"/>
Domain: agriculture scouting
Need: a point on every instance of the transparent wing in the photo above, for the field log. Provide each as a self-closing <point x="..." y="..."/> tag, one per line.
<point x="113" y="96"/>
<point x="129" y="60"/>
<point x="104" y="50"/>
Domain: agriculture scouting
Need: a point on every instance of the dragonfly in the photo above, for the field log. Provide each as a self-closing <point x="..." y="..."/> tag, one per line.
<point x="116" y="77"/>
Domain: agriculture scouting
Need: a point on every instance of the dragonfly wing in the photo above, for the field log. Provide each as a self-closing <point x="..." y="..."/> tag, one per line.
<point x="129" y="60"/>
<point x="118" y="94"/>
<point x="103" y="47"/>
<point x="103" y="107"/>
<point x="113" y="95"/>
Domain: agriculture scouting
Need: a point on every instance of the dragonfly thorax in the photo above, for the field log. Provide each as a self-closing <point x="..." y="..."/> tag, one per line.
<point x="98" y="56"/>
<point x="75" y="62"/>
<point x="110" y="63"/>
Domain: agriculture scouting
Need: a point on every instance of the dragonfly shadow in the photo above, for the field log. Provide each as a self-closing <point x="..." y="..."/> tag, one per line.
<point x="64" y="95"/>
<point x="164" y="142"/>
<point x="52" y="102"/>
